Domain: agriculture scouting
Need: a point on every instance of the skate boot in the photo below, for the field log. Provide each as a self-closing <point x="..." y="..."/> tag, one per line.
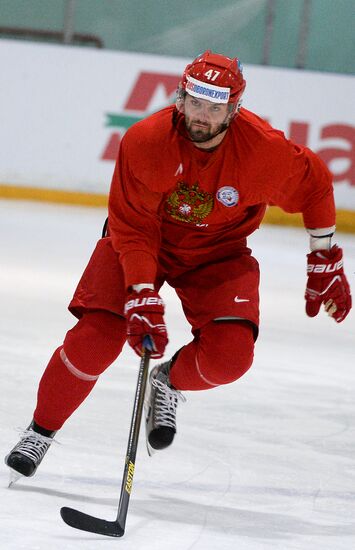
<point x="27" y="455"/>
<point x="160" y="408"/>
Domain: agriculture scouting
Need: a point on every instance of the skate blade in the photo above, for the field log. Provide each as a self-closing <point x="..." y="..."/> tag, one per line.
<point x="146" y="405"/>
<point x="150" y="449"/>
<point x="14" y="476"/>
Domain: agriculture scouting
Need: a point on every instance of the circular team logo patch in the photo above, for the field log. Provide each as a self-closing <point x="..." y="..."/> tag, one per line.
<point x="228" y="196"/>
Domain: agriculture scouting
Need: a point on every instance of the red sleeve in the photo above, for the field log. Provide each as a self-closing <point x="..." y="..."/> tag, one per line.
<point x="303" y="184"/>
<point x="134" y="220"/>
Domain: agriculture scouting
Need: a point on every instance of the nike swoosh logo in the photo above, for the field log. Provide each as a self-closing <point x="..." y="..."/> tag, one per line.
<point x="238" y="300"/>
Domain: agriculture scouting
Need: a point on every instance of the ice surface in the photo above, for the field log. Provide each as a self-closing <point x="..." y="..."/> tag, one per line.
<point x="265" y="463"/>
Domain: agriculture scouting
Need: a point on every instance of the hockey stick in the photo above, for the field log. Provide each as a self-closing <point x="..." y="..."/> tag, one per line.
<point x="116" y="528"/>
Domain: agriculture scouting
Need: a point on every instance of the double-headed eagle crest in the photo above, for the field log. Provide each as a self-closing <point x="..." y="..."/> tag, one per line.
<point x="189" y="204"/>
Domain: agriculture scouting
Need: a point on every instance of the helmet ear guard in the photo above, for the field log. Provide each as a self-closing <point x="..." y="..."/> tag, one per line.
<point x="237" y="106"/>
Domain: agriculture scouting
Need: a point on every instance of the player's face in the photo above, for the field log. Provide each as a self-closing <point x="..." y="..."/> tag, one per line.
<point x="204" y="119"/>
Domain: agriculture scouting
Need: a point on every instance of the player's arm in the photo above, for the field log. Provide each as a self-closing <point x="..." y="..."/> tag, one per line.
<point x="134" y="225"/>
<point x="134" y="218"/>
<point x="307" y="188"/>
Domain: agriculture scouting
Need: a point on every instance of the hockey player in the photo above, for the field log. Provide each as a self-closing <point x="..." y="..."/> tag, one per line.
<point x="191" y="182"/>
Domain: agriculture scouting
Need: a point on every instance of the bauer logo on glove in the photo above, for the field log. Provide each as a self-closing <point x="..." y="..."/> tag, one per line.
<point x="143" y="302"/>
<point x="324" y="268"/>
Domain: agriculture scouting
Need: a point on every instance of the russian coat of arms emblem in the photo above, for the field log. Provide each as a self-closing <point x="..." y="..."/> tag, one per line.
<point x="189" y="203"/>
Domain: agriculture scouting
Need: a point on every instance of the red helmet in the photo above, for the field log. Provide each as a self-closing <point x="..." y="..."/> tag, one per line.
<point x="214" y="77"/>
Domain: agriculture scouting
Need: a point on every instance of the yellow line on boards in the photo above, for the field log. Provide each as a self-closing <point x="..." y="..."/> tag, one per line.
<point x="345" y="220"/>
<point x="274" y="215"/>
<point x="52" y="195"/>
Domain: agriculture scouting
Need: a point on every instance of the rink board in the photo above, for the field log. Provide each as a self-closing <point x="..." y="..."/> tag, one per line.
<point x="65" y="109"/>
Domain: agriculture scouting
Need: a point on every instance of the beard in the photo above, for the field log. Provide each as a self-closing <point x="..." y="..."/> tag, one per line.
<point x="203" y="132"/>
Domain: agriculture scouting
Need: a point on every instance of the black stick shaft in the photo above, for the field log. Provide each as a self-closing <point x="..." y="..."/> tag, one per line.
<point x="128" y="473"/>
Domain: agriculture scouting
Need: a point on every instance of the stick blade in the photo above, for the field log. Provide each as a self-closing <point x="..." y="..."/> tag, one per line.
<point x="85" y="522"/>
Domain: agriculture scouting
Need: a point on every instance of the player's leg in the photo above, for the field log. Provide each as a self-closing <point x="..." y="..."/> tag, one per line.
<point x="88" y="349"/>
<point x="220" y="354"/>
<point x="222" y="351"/>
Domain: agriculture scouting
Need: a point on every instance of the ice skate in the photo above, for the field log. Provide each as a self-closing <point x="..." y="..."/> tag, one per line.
<point x="26" y="456"/>
<point x="160" y="409"/>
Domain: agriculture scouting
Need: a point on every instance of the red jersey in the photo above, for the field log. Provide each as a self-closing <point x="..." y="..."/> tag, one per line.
<point x="177" y="206"/>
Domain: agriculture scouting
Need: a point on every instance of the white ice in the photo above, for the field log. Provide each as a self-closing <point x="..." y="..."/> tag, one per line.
<point x="265" y="463"/>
